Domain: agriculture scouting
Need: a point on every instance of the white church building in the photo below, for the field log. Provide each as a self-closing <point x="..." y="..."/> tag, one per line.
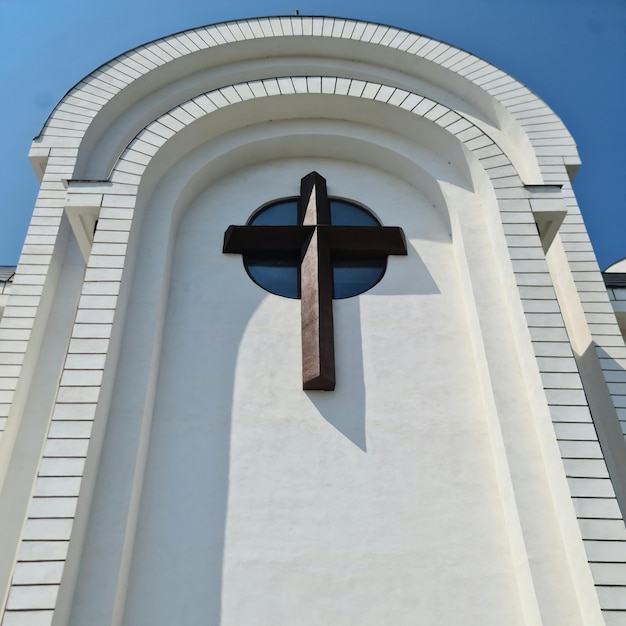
<point x="307" y="329"/>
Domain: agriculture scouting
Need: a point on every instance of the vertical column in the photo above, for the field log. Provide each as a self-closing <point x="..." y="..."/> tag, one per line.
<point x="42" y="558"/>
<point x="31" y="276"/>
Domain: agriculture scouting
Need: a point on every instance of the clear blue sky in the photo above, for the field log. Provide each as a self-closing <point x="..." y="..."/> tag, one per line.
<point x="572" y="53"/>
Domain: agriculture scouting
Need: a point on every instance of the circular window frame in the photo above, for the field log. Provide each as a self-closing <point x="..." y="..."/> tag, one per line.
<point x="377" y="265"/>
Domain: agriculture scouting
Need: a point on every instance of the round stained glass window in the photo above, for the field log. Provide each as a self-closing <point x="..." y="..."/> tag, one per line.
<point x="281" y="275"/>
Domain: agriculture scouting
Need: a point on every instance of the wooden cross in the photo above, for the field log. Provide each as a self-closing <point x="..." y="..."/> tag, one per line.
<point x="318" y="242"/>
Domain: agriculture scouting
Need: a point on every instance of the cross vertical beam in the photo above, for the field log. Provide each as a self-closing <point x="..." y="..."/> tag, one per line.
<point x="316" y="289"/>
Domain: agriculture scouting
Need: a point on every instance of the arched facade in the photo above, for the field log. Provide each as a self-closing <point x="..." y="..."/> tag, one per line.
<point x="490" y="353"/>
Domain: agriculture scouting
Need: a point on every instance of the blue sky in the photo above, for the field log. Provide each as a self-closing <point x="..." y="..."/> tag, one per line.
<point x="572" y="53"/>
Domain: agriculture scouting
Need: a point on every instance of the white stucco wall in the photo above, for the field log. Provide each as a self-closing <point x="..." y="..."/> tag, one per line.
<point x="323" y="507"/>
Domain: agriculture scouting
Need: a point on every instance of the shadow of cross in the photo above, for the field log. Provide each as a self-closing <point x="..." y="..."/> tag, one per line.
<point x="318" y="242"/>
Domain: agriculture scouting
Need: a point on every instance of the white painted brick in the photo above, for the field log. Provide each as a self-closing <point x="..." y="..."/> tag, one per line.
<point x="591" y="487"/>
<point x="42" y="550"/>
<point x="338" y="28"/>
<point x="528" y="229"/>
<point x="83" y="412"/>
<point x="48" y="529"/>
<point x="37" y="248"/>
<point x="43" y="573"/>
<point x="570" y="413"/>
<point x="111" y="262"/>
<point x="112" y="219"/>
<point x="617" y="388"/>
<point x="70" y="430"/>
<point x="267" y="28"/>
<point x="243" y="27"/>
<point x="34" y="259"/>
<point x="14" y="334"/>
<point x="561" y="380"/>
<point x="368" y="32"/>
<point x="393" y="34"/>
<point x="411" y="101"/>
<point x="428" y="46"/>
<point x="580" y="449"/>
<point x="446" y="55"/>
<point x="503" y="182"/>
<point x="586" y="468"/>
<point x="541" y="306"/>
<point x="122" y="177"/>
<point x="343" y="85"/>
<point x="100" y="288"/>
<point x="545" y="320"/>
<point x="608" y="573"/>
<point x="356" y="88"/>
<point x="88" y="346"/>
<point x="533" y="279"/>
<point x="461" y="125"/>
<point x="170" y="121"/>
<point x="6" y="397"/>
<point x="611" y="376"/>
<point x="80" y="378"/>
<point x="30" y="275"/>
<point x="448" y="119"/>
<point x="427" y="105"/>
<point x="244" y="91"/>
<point x="33" y="290"/>
<point x="32" y="597"/>
<point x="612" y="597"/>
<point x="316" y="26"/>
<point x="195" y="110"/>
<point x="52" y="507"/>
<point x="438" y="111"/>
<point x="219" y="100"/>
<point x="91" y="331"/>
<point x="599" y="508"/>
<point x="78" y="394"/>
<point x="61" y="467"/>
<point x="285" y="85"/>
<point x="575" y="431"/>
<point x="10" y="370"/>
<point x="11" y="359"/>
<point x="419" y="45"/>
<point x="566" y="396"/>
<point x="398" y="97"/>
<point x="65" y="448"/>
<point x="314" y="84"/>
<point x="603" y="529"/>
<point x="55" y="486"/>
<point x="87" y="361"/>
<point x="103" y="274"/>
<point x="214" y="34"/>
<point x="234" y="29"/>
<point x="370" y="90"/>
<point x="379" y="34"/>
<point x="28" y="618"/>
<point x="8" y="384"/>
<point x="98" y="302"/>
<point x="410" y="41"/>
<point x="230" y="93"/>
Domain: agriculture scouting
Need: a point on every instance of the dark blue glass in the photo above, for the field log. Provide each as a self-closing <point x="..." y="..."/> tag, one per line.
<point x="283" y="213"/>
<point x="350" y="278"/>
<point x="345" y="214"/>
<point x="281" y="276"/>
